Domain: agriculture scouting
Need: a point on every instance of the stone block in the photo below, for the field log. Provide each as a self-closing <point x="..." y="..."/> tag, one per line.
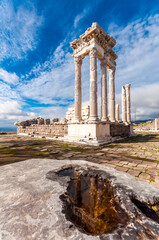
<point x="47" y="121"/>
<point x="55" y="120"/>
<point x="40" y="121"/>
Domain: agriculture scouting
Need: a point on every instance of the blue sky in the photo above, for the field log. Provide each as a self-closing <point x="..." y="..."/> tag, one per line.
<point x="36" y="63"/>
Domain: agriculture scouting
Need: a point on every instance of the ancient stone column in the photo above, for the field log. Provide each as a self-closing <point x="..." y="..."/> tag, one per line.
<point x="112" y="94"/>
<point x="128" y="106"/>
<point x="93" y="85"/>
<point x="117" y="112"/>
<point x="78" y="62"/>
<point x="104" y="112"/>
<point x="124" y="112"/>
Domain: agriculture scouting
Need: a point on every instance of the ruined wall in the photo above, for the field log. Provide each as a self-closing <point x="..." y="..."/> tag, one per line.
<point x="70" y="114"/>
<point x="44" y="128"/>
<point x="119" y="130"/>
<point x="51" y="130"/>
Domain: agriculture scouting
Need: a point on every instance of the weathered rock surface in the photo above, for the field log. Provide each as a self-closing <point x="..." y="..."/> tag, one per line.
<point x="30" y="207"/>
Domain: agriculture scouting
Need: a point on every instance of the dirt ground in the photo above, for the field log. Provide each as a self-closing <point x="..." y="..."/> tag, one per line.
<point x="138" y="156"/>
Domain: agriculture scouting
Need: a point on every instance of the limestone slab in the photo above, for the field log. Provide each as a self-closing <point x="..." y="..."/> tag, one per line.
<point x="30" y="207"/>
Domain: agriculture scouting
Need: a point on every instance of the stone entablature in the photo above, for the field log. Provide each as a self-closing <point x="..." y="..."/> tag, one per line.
<point x="95" y="36"/>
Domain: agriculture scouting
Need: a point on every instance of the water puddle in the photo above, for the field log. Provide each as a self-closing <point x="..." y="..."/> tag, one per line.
<point x="90" y="204"/>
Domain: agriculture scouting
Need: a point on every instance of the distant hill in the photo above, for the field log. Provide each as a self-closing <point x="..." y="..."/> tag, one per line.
<point x="142" y="121"/>
<point x="145" y="125"/>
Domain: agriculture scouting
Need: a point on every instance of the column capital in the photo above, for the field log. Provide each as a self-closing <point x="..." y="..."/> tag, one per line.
<point x="112" y="69"/>
<point x="78" y="60"/>
<point x="93" y="52"/>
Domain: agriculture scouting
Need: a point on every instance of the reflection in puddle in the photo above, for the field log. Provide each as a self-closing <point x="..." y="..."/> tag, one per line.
<point x="91" y="205"/>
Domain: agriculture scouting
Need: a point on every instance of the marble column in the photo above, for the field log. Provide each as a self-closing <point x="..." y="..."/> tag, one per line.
<point x="93" y="85"/>
<point x="124" y="112"/>
<point x="112" y="94"/>
<point x="128" y="106"/>
<point x="117" y="113"/>
<point x="104" y="111"/>
<point x="78" y="63"/>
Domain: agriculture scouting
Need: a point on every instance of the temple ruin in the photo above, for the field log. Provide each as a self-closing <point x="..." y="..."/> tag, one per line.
<point x="82" y="123"/>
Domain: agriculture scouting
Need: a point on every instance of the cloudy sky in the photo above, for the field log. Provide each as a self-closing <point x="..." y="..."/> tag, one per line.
<point x="36" y="63"/>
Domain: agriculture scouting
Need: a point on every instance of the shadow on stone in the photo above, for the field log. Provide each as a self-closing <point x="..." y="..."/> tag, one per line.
<point x="147" y="210"/>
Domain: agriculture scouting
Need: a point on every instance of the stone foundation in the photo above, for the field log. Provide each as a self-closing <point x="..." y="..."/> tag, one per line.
<point x="51" y="130"/>
<point x="97" y="133"/>
<point x="119" y="129"/>
<point x="90" y="131"/>
<point x="86" y="132"/>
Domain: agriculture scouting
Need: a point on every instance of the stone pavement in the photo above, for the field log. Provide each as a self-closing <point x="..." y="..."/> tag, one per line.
<point x="143" y="170"/>
<point x="138" y="156"/>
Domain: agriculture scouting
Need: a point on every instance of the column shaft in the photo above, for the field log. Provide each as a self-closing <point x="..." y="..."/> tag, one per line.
<point x="124" y="112"/>
<point x="104" y="111"/>
<point x="117" y="112"/>
<point x="78" y="62"/>
<point x="112" y="94"/>
<point x="93" y="85"/>
<point x="128" y="105"/>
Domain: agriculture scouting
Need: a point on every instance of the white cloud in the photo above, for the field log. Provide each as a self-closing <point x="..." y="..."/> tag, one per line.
<point x="10" y="111"/>
<point x="145" y="101"/>
<point x="18" y="30"/>
<point x="11" y="105"/>
<point x="137" y="63"/>
<point x="6" y="92"/>
<point x="137" y="48"/>
<point x="56" y="82"/>
<point x="52" y="112"/>
<point x="80" y="16"/>
<point x="10" y="78"/>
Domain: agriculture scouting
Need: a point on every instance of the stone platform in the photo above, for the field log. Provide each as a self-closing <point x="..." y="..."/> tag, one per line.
<point x="98" y="133"/>
<point x="30" y="207"/>
<point x="89" y="133"/>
